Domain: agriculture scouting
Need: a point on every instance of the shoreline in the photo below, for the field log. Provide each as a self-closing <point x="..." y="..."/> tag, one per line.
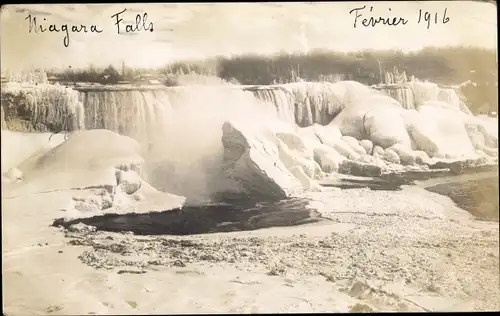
<point x="349" y="263"/>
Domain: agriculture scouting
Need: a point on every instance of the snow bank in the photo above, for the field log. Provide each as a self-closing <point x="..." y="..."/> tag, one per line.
<point x="104" y="166"/>
<point x="17" y="147"/>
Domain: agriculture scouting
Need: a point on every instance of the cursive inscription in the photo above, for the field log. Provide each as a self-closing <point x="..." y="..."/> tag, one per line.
<point x="64" y="28"/>
<point x="141" y="23"/>
<point x="373" y="21"/>
<point x="364" y="17"/>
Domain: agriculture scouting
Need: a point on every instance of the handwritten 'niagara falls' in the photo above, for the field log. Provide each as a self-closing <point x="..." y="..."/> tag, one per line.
<point x="141" y="24"/>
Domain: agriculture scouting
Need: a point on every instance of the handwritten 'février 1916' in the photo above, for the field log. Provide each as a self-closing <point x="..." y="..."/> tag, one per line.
<point x="364" y="17"/>
<point x="141" y="24"/>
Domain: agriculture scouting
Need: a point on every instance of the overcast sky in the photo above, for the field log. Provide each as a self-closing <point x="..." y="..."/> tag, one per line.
<point x="198" y="30"/>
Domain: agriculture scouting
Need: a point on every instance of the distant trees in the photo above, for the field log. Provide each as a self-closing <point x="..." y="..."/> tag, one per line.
<point x="109" y="75"/>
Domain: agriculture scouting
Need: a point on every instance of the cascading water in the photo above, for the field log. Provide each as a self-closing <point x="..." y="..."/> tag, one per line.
<point x="307" y="103"/>
<point x="401" y="93"/>
<point x="425" y="92"/>
<point x="179" y="128"/>
<point x="282" y="99"/>
<point x="134" y="113"/>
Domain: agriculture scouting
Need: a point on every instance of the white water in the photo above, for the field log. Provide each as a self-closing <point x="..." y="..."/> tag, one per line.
<point x="180" y="129"/>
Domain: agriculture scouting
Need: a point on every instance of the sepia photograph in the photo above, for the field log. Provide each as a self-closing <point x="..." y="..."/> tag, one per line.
<point x="266" y="157"/>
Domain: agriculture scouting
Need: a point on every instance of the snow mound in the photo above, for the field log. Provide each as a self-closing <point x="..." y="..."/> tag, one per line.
<point x="103" y="166"/>
<point x="87" y="150"/>
<point x="17" y="147"/>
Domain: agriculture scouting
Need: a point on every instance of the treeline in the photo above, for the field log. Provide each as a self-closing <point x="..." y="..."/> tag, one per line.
<point x="108" y="75"/>
<point x="449" y="65"/>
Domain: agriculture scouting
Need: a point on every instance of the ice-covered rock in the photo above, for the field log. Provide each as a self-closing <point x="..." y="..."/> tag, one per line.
<point x="406" y="154"/>
<point x="327" y="135"/>
<point x="328" y="158"/>
<point x="440" y="132"/>
<point x="459" y="165"/>
<point x="391" y="156"/>
<point x="385" y="127"/>
<point x="304" y="179"/>
<point x="421" y="157"/>
<point x="253" y="162"/>
<point x="291" y="159"/>
<point x="477" y="138"/>
<point x="367" y="145"/>
<point x="378" y="151"/>
<point x="296" y="144"/>
<point x="344" y="149"/>
<point x="361" y="169"/>
<point x="128" y="181"/>
<point x="354" y="144"/>
<point x="366" y="159"/>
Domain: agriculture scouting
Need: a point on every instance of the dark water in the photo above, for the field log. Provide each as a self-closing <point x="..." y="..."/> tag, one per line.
<point x="207" y="218"/>
<point x="478" y="196"/>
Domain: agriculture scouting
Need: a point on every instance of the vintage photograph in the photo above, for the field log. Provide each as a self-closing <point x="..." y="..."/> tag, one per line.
<point x="249" y="157"/>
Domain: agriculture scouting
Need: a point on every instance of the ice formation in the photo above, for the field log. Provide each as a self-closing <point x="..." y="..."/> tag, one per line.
<point x="106" y="168"/>
<point x="52" y="106"/>
<point x="272" y="140"/>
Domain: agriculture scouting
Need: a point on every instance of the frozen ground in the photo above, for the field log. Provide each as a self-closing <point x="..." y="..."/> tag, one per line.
<point x="408" y="250"/>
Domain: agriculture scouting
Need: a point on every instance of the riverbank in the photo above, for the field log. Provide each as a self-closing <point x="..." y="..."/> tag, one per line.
<point x="408" y="250"/>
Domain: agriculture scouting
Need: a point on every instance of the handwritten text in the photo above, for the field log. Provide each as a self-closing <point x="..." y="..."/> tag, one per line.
<point x="41" y="28"/>
<point x="141" y="24"/>
<point x="365" y="18"/>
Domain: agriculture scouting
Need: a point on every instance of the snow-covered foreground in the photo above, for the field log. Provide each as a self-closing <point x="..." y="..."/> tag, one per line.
<point x="387" y="251"/>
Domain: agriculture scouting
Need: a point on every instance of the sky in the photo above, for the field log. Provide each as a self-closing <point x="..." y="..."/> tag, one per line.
<point x="187" y="30"/>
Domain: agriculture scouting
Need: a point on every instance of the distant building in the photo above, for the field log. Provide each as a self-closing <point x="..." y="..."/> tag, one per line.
<point x="148" y="79"/>
<point x="54" y="79"/>
<point x="4" y="80"/>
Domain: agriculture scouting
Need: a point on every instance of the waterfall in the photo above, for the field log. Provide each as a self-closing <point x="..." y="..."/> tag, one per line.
<point x="142" y="113"/>
<point x="307" y="103"/>
<point x="401" y="93"/>
<point x="134" y="113"/>
<point x="280" y="98"/>
<point x="425" y="92"/>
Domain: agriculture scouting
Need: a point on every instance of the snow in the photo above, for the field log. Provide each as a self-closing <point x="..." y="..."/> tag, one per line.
<point x="207" y="141"/>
